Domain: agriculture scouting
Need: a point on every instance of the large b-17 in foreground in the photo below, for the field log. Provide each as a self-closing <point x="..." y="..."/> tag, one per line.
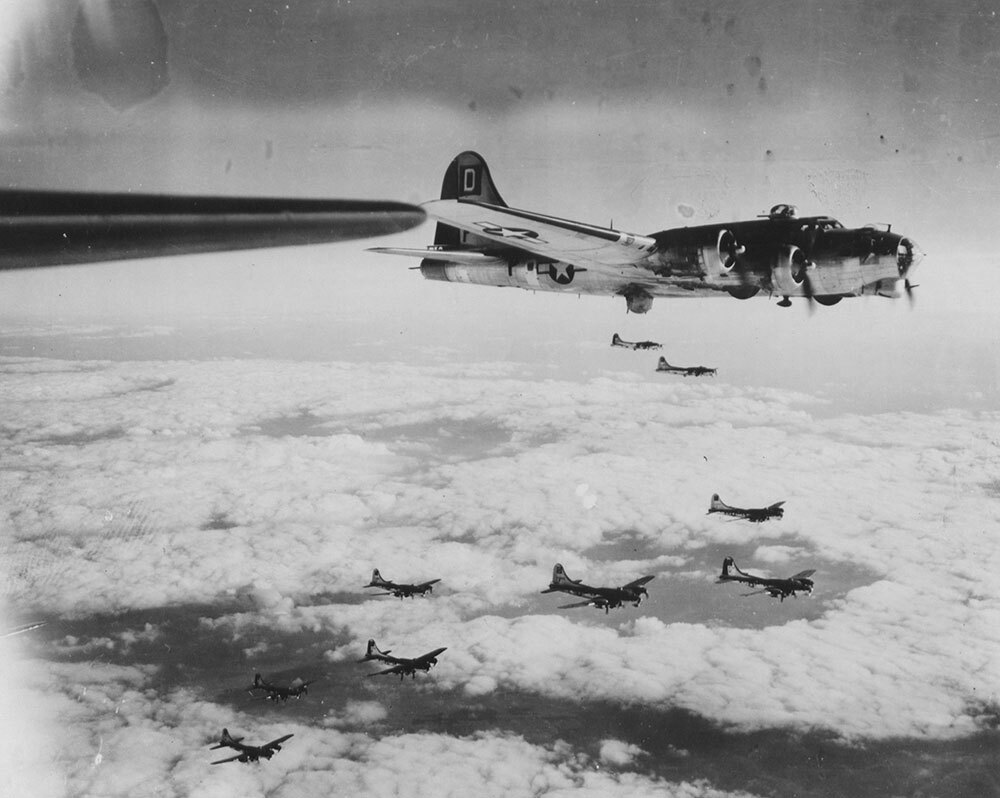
<point x="275" y="692"/>
<point x="400" y="591"/>
<point x="687" y="371"/>
<point x="777" y="588"/>
<point x="401" y="665"/>
<point x="755" y="514"/>
<point x="604" y="598"/>
<point x="617" y="341"/>
<point x="481" y="240"/>
<point x="247" y="753"/>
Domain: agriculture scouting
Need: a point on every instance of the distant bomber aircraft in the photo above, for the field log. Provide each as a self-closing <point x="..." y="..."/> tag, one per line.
<point x="275" y="692"/>
<point x="687" y="371"/>
<point x="247" y="753"/>
<point x="777" y="588"/>
<point x="401" y="665"/>
<point x="400" y="591"/>
<point x="55" y="228"/>
<point x="20" y="630"/>
<point x="755" y="514"/>
<point x="481" y="240"/>
<point x="604" y="598"/>
<point x="616" y="341"/>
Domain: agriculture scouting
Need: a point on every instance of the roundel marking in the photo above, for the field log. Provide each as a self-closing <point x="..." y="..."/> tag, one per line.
<point x="562" y="274"/>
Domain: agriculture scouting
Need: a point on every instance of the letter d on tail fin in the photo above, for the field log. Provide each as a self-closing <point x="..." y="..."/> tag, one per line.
<point x="559" y="575"/>
<point x="467" y="178"/>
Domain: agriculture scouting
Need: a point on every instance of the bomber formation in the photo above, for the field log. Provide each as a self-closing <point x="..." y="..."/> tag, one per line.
<point x="604" y="598"/>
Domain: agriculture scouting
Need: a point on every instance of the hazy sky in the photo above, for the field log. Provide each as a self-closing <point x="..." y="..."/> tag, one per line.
<point x="204" y="457"/>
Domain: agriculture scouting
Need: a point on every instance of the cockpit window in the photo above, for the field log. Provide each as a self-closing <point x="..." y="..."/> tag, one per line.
<point x="823" y="224"/>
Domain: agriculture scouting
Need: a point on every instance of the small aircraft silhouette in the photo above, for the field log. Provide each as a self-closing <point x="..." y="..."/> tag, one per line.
<point x="481" y="240"/>
<point x="401" y="665"/>
<point x="755" y="514"/>
<point x="400" y="591"/>
<point x="296" y="689"/>
<point x="604" y="598"/>
<point x="616" y="341"/>
<point x="777" y="588"/>
<point x="247" y="753"/>
<point x="687" y="371"/>
<point x="20" y="630"/>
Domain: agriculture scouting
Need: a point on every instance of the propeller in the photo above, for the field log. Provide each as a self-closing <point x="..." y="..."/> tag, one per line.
<point x="805" y="266"/>
<point x="729" y="250"/>
<point x="905" y="259"/>
<point x="801" y="265"/>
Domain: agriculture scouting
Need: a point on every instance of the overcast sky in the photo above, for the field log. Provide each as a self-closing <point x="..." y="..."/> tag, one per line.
<point x="206" y="456"/>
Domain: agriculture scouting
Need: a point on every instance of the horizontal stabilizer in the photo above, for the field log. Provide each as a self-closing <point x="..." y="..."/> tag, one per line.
<point x="465" y="257"/>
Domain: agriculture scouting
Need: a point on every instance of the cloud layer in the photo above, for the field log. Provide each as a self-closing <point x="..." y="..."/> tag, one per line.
<point x="274" y="488"/>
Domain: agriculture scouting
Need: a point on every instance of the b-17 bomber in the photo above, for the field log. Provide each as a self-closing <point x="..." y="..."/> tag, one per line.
<point x="776" y="588"/>
<point x="247" y="753"/>
<point x="400" y="591"/>
<point x="400" y="665"/>
<point x="687" y="371"/>
<point x="756" y="514"/>
<point x="275" y="692"/>
<point x="617" y="341"/>
<point x="604" y="598"/>
<point x="481" y="240"/>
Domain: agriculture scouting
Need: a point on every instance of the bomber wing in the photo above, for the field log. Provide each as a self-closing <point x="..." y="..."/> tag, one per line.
<point x="428" y="656"/>
<point x="275" y="743"/>
<point x="393" y="669"/>
<point x="54" y="228"/>
<point x="804" y="574"/>
<point x="424" y="585"/>
<point x="640" y="581"/>
<point x="230" y="759"/>
<point x="590" y="602"/>
<point x="548" y="237"/>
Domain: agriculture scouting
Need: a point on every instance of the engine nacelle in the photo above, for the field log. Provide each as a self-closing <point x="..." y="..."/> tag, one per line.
<point x="789" y="271"/>
<point x="723" y="257"/>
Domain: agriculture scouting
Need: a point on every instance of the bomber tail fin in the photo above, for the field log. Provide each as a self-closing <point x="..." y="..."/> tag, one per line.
<point x="467" y="178"/>
<point x="373" y="652"/>
<point x="727" y="563"/>
<point x="559" y="578"/>
<point x="717" y="505"/>
<point x="377" y="580"/>
<point x="226" y="740"/>
<point x="663" y="365"/>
